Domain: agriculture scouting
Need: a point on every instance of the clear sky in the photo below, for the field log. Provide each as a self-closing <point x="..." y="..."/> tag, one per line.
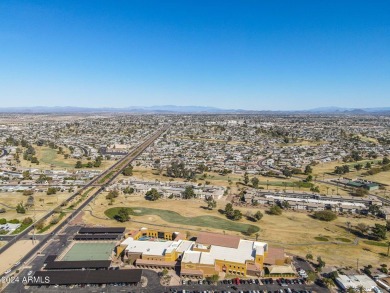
<point x="262" y="55"/>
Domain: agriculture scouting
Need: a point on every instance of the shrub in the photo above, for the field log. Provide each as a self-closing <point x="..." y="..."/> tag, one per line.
<point x="275" y="210"/>
<point x="325" y="216"/>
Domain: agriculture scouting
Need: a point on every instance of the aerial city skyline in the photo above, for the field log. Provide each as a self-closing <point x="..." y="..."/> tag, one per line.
<point x="195" y="146"/>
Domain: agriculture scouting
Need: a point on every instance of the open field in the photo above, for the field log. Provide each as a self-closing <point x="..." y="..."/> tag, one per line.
<point x="49" y="159"/>
<point x="43" y="204"/>
<point x="303" y="143"/>
<point x="382" y="177"/>
<point x="329" y="167"/>
<point x="176" y="218"/>
<point x="295" y="231"/>
<point x="15" y="253"/>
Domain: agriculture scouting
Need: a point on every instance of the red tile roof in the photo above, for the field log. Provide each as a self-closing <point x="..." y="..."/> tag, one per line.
<point x="218" y="239"/>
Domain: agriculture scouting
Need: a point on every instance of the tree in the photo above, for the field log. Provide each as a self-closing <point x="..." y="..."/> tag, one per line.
<point x="287" y="172"/>
<point x="26" y="175"/>
<point x="251" y="229"/>
<point x="40" y="224"/>
<point x="229" y="210"/>
<point x="258" y="215"/>
<point x="328" y="282"/>
<point x="213" y="278"/>
<point x="20" y="209"/>
<point x="311" y="276"/>
<point x="275" y="210"/>
<point x="246" y="178"/>
<point x="128" y="171"/>
<point x="188" y="193"/>
<point x="237" y="215"/>
<point x="122" y="215"/>
<point x="54" y="220"/>
<point x="128" y="190"/>
<point x="28" y="192"/>
<point x="211" y="203"/>
<point x="177" y="169"/>
<point x="152" y="194"/>
<point x="360" y="192"/>
<point x="285" y="204"/>
<point x="374" y="209"/>
<point x="315" y="189"/>
<point x="255" y="182"/>
<point x="308" y="170"/>
<point x="379" y="231"/>
<point x="320" y="263"/>
<point x="362" y="228"/>
<point x="79" y="165"/>
<point x="326" y="216"/>
<point x="309" y="256"/>
<point x="112" y="194"/>
<point x="51" y="190"/>
<point x="385" y="161"/>
<point x="27" y="221"/>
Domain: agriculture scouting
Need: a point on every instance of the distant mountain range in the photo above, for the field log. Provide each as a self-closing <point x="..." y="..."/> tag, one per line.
<point x="188" y="109"/>
<point x="349" y="110"/>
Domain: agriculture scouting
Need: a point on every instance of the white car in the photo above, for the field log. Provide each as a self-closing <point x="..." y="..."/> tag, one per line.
<point x="29" y="273"/>
<point x="7" y="271"/>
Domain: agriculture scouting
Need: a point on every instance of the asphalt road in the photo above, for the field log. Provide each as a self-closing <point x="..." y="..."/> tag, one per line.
<point x="56" y="245"/>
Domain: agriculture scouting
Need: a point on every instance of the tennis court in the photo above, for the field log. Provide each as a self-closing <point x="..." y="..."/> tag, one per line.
<point x="89" y="251"/>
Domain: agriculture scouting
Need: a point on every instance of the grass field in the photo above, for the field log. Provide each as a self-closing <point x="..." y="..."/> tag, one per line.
<point x="89" y="251"/>
<point x="322" y="168"/>
<point x="43" y="204"/>
<point x="295" y="231"/>
<point x="49" y="156"/>
<point x="176" y="218"/>
<point x="49" y="159"/>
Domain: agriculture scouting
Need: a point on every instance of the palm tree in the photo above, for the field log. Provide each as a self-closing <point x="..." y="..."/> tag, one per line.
<point x="348" y="226"/>
<point x="328" y="282"/>
<point x="388" y="247"/>
<point x="361" y="289"/>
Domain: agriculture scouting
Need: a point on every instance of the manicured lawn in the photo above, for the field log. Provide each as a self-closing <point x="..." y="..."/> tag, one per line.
<point x="50" y="157"/>
<point x="176" y="218"/>
<point x="321" y="238"/>
<point x="375" y="243"/>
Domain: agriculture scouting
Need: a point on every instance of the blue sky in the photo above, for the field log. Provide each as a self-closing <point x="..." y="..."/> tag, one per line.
<point x="263" y="55"/>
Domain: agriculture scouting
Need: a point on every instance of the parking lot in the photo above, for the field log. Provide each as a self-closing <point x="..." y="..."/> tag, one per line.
<point x="250" y="285"/>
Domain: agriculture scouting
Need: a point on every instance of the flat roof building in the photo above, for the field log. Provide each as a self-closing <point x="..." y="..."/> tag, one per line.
<point x="209" y="254"/>
<point x="355" y="282"/>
